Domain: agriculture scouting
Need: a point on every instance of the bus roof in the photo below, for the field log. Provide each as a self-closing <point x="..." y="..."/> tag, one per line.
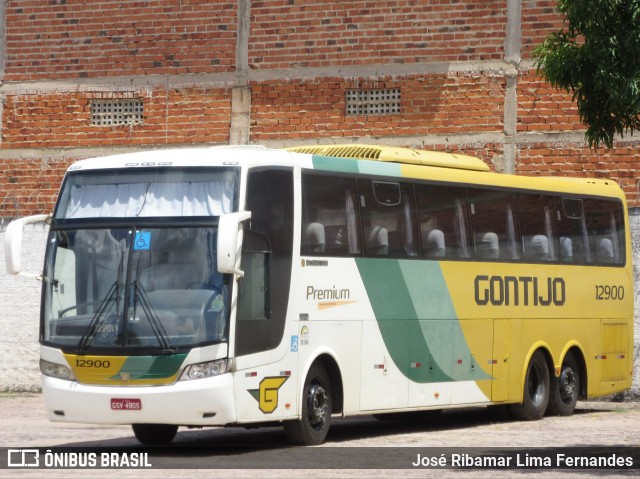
<point x="395" y="154"/>
<point x="450" y="167"/>
<point x="388" y="161"/>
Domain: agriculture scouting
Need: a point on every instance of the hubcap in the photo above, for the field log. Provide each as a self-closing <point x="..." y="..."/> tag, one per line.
<point x="567" y="384"/>
<point x="317" y="405"/>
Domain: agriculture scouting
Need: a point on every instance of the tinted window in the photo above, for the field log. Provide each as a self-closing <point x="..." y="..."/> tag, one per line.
<point x="443" y="221"/>
<point x="329" y="216"/>
<point x="494" y="225"/>
<point x="388" y="219"/>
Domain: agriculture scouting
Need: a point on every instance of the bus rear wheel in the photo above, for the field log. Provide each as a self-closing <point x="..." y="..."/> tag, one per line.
<point x="154" y="434"/>
<point x="565" y="388"/>
<point x="312" y="428"/>
<point x="536" y="390"/>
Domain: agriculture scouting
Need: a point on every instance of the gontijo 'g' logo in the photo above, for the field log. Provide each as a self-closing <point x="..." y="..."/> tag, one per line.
<point x="267" y="395"/>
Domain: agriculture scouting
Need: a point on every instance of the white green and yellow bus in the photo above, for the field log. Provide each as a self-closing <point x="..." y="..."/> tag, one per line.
<point x="243" y="285"/>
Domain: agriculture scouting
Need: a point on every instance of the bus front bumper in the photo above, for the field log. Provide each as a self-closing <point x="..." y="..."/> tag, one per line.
<point x="201" y="402"/>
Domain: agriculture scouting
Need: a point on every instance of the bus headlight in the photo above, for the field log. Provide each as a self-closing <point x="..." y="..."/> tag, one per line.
<point x="205" y="370"/>
<point x="55" y="370"/>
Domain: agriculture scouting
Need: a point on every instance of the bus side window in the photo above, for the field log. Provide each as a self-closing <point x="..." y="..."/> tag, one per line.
<point x="494" y="225"/>
<point x="387" y="218"/>
<point x="574" y="243"/>
<point x="443" y="221"/>
<point x="605" y="222"/>
<point x="537" y="218"/>
<point x="329" y="216"/>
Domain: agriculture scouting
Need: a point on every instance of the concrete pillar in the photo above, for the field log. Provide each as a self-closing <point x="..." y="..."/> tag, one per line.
<point x="512" y="48"/>
<point x="240" y="127"/>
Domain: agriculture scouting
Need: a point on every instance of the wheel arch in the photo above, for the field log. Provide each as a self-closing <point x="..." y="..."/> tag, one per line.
<point x="335" y="377"/>
<point x="546" y="352"/>
<point x="576" y="350"/>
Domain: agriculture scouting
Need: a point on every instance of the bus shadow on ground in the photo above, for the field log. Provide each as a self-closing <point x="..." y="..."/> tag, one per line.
<point x="268" y="448"/>
<point x="226" y="440"/>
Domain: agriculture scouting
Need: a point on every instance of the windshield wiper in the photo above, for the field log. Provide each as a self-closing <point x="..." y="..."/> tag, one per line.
<point x="156" y="325"/>
<point x="87" y="338"/>
<point x="90" y="334"/>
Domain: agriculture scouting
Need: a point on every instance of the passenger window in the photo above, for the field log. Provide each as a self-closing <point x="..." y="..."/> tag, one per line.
<point x="329" y="216"/>
<point x="573" y="238"/>
<point x="606" y="228"/>
<point x="388" y="219"/>
<point x="494" y="225"/>
<point x="537" y="216"/>
<point x="443" y="221"/>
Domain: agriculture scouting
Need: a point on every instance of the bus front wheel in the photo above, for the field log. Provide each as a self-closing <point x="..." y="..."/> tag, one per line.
<point x="565" y="388"/>
<point x="154" y="434"/>
<point x="536" y="390"/>
<point x="312" y="427"/>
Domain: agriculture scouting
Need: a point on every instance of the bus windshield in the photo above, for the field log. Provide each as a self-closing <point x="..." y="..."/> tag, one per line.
<point x="147" y="193"/>
<point x="155" y="288"/>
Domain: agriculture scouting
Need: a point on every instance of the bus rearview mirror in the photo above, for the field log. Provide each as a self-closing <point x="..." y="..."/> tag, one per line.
<point x="230" y="242"/>
<point x="13" y="244"/>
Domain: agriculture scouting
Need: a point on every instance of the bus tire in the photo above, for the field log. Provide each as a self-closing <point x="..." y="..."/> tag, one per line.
<point x="565" y="388"/>
<point x="312" y="428"/>
<point x="536" y="390"/>
<point x="154" y="434"/>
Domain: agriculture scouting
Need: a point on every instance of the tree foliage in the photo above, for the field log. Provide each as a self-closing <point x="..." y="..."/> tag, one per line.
<point x="596" y="57"/>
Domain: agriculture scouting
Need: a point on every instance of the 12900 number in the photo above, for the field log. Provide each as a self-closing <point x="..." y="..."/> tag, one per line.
<point x="92" y="363"/>
<point x="609" y="292"/>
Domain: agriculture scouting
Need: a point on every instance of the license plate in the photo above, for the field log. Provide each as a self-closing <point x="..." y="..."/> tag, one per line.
<point x="126" y="404"/>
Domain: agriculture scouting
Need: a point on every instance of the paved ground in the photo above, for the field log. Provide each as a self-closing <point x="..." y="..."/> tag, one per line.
<point x="23" y="424"/>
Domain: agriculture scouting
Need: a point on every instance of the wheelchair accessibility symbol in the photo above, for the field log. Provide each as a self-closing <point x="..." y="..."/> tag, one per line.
<point x="142" y="240"/>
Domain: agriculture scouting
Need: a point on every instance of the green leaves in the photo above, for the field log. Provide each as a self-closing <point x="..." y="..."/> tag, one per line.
<point x="596" y="56"/>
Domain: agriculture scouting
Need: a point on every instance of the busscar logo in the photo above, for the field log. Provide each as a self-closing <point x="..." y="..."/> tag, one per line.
<point x="23" y="458"/>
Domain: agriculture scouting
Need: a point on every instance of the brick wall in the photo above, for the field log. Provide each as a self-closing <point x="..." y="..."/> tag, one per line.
<point x="464" y="69"/>
<point x="56" y="39"/>
<point x="437" y="104"/>
<point x="62" y="119"/>
<point x="30" y="186"/>
<point x="539" y="17"/>
<point x="273" y="72"/>
<point x="315" y="33"/>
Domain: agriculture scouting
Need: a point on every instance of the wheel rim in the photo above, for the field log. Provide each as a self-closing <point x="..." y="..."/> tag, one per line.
<point x="536" y="385"/>
<point x="568" y="384"/>
<point x="317" y="407"/>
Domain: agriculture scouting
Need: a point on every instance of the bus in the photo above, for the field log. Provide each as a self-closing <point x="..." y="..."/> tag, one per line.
<point x="245" y="286"/>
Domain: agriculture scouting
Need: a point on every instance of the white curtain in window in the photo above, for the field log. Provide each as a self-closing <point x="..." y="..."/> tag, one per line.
<point x="352" y="231"/>
<point x="151" y="199"/>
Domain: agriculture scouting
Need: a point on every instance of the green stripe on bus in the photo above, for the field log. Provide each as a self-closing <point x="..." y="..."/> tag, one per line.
<point x="165" y="366"/>
<point x="152" y="367"/>
<point x="417" y="319"/>
<point x="348" y="165"/>
<point x="380" y="168"/>
<point x="334" y="164"/>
